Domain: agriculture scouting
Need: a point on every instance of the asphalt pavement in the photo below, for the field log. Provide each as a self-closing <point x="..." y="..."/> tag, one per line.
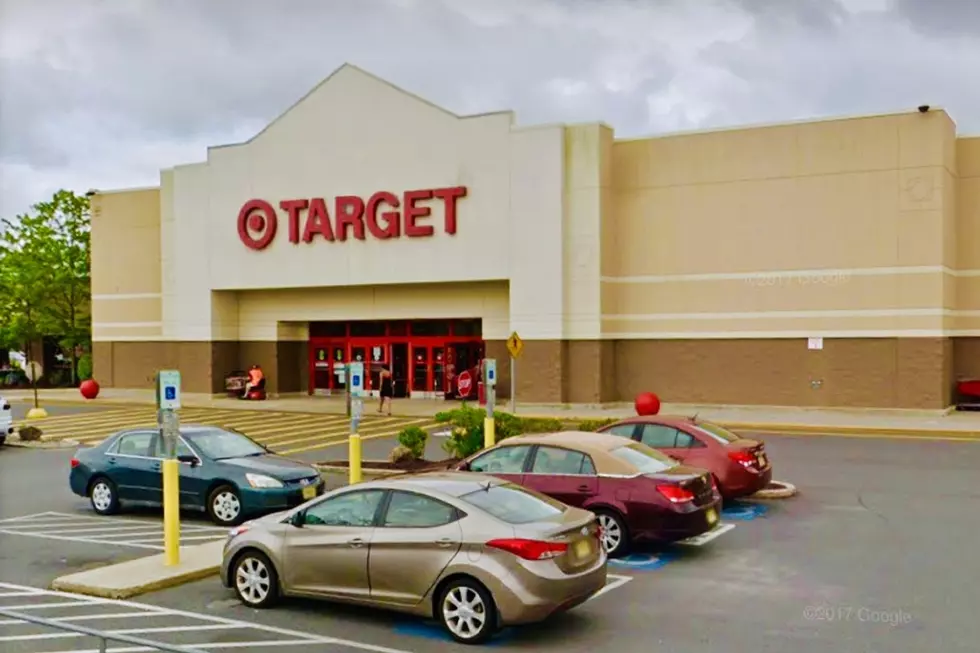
<point x="876" y="553"/>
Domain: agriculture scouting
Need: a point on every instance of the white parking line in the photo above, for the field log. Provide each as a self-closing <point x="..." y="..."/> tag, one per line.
<point x="158" y="624"/>
<point x="613" y="581"/>
<point x="704" y="538"/>
<point x="117" y="531"/>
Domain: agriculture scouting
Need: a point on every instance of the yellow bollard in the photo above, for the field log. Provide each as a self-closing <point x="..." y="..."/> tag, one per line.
<point x="354" y="450"/>
<point x="489" y="433"/>
<point x="171" y="512"/>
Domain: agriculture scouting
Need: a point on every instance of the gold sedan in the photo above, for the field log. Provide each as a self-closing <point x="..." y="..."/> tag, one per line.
<point x="472" y="551"/>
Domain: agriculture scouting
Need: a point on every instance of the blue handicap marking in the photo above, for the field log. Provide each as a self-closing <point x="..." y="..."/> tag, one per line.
<point x="170" y="393"/>
<point x="433" y="630"/>
<point x="643" y="561"/>
<point x="744" y="511"/>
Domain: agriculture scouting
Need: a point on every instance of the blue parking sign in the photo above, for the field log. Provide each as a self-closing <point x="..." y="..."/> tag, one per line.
<point x="168" y="384"/>
<point x="170" y="393"/>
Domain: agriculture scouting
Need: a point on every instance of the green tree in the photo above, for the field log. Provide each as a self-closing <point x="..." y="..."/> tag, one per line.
<point x="45" y="276"/>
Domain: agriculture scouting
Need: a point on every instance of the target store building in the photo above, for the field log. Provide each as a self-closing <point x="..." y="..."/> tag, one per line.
<point x="802" y="264"/>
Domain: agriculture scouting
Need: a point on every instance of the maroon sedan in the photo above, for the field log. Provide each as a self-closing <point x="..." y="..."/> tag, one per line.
<point x="739" y="465"/>
<point x="637" y="493"/>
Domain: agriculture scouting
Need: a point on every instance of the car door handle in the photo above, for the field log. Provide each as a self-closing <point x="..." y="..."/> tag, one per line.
<point x="584" y="488"/>
<point x="444" y="542"/>
<point x="157" y="467"/>
<point x="355" y="543"/>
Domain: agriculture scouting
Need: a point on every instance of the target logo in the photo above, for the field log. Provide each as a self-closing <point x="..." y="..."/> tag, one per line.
<point x="257" y="224"/>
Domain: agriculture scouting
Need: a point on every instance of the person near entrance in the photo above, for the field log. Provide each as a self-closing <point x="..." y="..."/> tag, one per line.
<point x="387" y="390"/>
<point x="256" y="381"/>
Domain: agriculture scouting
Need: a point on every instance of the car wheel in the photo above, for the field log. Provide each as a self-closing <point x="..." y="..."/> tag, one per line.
<point x="615" y="536"/>
<point x="104" y="497"/>
<point x="255" y="580"/>
<point x="225" y="506"/>
<point x="467" y="611"/>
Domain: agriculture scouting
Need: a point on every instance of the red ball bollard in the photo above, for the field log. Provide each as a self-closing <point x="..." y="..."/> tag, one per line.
<point x="89" y="389"/>
<point x="647" y="403"/>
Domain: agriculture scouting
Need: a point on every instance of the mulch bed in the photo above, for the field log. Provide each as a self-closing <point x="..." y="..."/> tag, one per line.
<point x="406" y="466"/>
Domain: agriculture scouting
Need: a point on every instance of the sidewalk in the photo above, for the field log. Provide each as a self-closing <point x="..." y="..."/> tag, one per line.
<point x="767" y="419"/>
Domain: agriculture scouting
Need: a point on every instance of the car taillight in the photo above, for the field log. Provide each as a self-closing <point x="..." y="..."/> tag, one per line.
<point x="75" y="463"/>
<point x="530" y="549"/>
<point x="743" y="458"/>
<point x="675" y="494"/>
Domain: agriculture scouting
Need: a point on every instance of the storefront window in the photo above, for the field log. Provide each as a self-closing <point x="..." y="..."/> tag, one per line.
<point x="367" y="329"/>
<point x="430" y="328"/>
<point x="328" y="329"/>
<point x="398" y="328"/>
<point x="467" y="327"/>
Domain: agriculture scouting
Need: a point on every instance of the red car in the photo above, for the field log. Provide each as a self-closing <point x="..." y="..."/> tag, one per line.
<point x="739" y="465"/>
<point x="637" y="493"/>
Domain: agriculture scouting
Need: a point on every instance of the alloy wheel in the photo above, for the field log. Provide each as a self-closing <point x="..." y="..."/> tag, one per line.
<point x="252" y="580"/>
<point x="226" y="506"/>
<point x="102" y="496"/>
<point x="465" y="612"/>
<point x="612" y="533"/>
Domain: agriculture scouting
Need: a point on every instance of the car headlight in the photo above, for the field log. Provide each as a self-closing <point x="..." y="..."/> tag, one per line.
<point x="262" y="481"/>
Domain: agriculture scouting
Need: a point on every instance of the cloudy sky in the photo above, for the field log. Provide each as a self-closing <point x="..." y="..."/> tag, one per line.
<point x="104" y="93"/>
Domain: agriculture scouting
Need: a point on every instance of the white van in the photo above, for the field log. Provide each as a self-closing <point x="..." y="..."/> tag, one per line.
<point x="6" y="420"/>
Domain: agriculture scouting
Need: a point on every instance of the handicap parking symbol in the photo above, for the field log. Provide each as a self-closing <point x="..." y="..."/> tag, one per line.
<point x="642" y="561"/>
<point x="744" y="511"/>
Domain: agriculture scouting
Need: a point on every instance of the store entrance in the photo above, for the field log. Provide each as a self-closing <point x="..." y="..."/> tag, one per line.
<point x="425" y="356"/>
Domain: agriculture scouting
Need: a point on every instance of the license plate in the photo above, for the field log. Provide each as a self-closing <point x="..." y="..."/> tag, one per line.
<point x="309" y="492"/>
<point x="762" y="459"/>
<point x="711" y="516"/>
<point x="582" y="548"/>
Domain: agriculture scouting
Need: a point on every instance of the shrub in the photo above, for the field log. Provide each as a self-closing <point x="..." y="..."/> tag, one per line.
<point x="541" y="425"/>
<point x="414" y="439"/>
<point x="401" y="454"/>
<point x="506" y="425"/>
<point x="595" y="424"/>
<point x="29" y="433"/>
<point x="85" y="367"/>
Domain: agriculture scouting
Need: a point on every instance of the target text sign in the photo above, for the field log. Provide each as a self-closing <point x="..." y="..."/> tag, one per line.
<point x="383" y="215"/>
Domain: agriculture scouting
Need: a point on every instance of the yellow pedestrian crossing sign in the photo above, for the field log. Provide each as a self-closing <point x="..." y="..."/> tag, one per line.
<point x="515" y="345"/>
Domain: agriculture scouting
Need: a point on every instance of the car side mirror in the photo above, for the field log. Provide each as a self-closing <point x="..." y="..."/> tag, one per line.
<point x="463" y="467"/>
<point x="190" y="460"/>
<point x="298" y="519"/>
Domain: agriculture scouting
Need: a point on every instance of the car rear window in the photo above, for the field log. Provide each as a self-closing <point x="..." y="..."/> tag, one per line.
<point x="514" y="504"/>
<point x="647" y="460"/>
<point x="716" y="432"/>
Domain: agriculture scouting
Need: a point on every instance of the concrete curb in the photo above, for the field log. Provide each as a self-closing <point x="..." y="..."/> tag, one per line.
<point x="782" y="491"/>
<point x="142" y="575"/>
<point x="53" y="445"/>
<point x="120" y="593"/>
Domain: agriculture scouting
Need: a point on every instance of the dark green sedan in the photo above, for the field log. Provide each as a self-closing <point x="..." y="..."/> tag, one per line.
<point x="223" y="473"/>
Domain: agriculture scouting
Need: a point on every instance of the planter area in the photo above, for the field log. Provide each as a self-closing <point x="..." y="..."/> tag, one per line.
<point x="382" y="468"/>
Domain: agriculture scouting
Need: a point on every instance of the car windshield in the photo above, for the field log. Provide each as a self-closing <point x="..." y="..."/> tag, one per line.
<point x="514" y="504"/>
<point x="219" y="444"/>
<point x="715" y="432"/>
<point x="646" y="459"/>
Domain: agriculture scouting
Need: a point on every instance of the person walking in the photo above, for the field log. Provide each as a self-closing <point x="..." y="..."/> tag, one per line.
<point x="387" y="390"/>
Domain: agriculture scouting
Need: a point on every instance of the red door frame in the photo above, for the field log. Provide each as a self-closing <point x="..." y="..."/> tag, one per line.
<point x="348" y="343"/>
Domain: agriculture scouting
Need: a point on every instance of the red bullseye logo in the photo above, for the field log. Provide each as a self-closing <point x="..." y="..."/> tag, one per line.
<point x="259" y="218"/>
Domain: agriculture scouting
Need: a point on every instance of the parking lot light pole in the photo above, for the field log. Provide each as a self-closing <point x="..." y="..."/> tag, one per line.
<point x="168" y="403"/>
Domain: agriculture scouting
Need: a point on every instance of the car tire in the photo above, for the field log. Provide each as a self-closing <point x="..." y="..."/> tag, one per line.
<point x="224" y="506"/>
<point x="615" y="534"/>
<point x="103" y="496"/>
<point x="475" y="626"/>
<point x="255" y="580"/>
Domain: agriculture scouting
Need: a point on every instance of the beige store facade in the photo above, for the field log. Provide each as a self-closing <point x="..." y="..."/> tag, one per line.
<point x="830" y="263"/>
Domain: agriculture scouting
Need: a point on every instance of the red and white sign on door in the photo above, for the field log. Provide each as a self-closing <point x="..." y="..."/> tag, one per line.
<point x="464" y="384"/>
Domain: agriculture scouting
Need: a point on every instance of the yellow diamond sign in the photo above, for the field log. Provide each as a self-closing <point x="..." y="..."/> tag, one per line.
<point x="515" y="345"/>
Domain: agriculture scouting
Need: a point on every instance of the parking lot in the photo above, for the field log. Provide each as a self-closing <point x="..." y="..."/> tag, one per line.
<point x="875" y="554"/>
<point x="301" y="435"/>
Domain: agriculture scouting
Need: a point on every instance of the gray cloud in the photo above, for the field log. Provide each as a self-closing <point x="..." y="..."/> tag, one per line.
<point x="105" y="93"/>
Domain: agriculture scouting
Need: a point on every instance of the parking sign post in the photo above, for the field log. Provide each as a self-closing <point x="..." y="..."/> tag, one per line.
<point x="168" y="403"/>
<point x="355" y="382"/>
<point x="515" y="346"/>
<point x="490" y="388"/>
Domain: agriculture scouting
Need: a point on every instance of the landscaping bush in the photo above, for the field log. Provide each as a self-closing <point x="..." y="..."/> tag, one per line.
<point x="595" y="424"/>
<point x="29" y="433"/>
<point x="85" y="367"/>
<point x="540" y="425"/>
<point x="401" y="454"/>
<point x="414" y="439"/>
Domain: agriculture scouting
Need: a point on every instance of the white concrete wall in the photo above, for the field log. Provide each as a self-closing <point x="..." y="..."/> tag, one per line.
<point x="356" y="135"/>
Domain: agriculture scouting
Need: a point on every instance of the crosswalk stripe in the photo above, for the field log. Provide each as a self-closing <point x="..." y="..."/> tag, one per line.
<point x="284" y="432"/>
